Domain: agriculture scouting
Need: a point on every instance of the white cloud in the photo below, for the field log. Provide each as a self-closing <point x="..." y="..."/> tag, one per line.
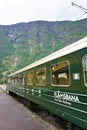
<point x="15" y="11"/>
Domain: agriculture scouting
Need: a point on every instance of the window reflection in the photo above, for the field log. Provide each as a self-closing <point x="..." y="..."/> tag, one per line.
<point x="41" y="76"/>
<point x="85" y="68"/>
<point x="60" y="74"/>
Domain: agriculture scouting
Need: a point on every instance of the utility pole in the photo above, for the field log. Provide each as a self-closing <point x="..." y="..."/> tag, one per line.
<point x="80" y="7"/>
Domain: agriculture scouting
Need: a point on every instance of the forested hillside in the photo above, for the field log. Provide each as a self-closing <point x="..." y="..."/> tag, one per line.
<point x="24" y="43"/>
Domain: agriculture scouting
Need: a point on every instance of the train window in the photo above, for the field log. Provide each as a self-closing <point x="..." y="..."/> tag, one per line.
<point x="30" y="78"/>
<point x="18" y="80"/>
<point x="9" y="80"/>
<point x="60" y="74"/>
<point x="12" y="81"/>
<point x="15" y="80"/>
<point x="41" y="76"/>
<point x="85" y="68"/>
<point x="23" y="79"/>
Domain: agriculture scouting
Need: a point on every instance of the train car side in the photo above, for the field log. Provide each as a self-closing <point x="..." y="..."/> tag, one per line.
<point x="59" y="85"/>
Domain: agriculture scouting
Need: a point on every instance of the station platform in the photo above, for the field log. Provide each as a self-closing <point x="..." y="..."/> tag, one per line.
<point x="14" y="116"/>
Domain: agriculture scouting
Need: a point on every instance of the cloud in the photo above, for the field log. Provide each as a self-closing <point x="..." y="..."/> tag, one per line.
<point x="15" y="11"/>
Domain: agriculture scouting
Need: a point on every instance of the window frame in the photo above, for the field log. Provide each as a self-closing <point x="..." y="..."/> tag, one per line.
<point x="84" y="70"/>
<point x="44" y="75"/>
<point x="61" y="85"/>
<point x="28" y="78"/>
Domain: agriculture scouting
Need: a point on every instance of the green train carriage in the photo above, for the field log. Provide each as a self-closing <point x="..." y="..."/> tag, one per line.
<point x="57" y="82"/>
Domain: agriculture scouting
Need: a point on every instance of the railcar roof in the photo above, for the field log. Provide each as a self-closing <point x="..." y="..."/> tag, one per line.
<point x="65" y="51"/>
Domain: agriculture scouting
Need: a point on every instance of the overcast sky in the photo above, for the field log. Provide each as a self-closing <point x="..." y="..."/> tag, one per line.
<point x="16" y="11"/>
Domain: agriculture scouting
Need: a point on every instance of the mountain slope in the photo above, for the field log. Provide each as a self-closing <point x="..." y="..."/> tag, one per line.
<point x="24" y="43"/>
